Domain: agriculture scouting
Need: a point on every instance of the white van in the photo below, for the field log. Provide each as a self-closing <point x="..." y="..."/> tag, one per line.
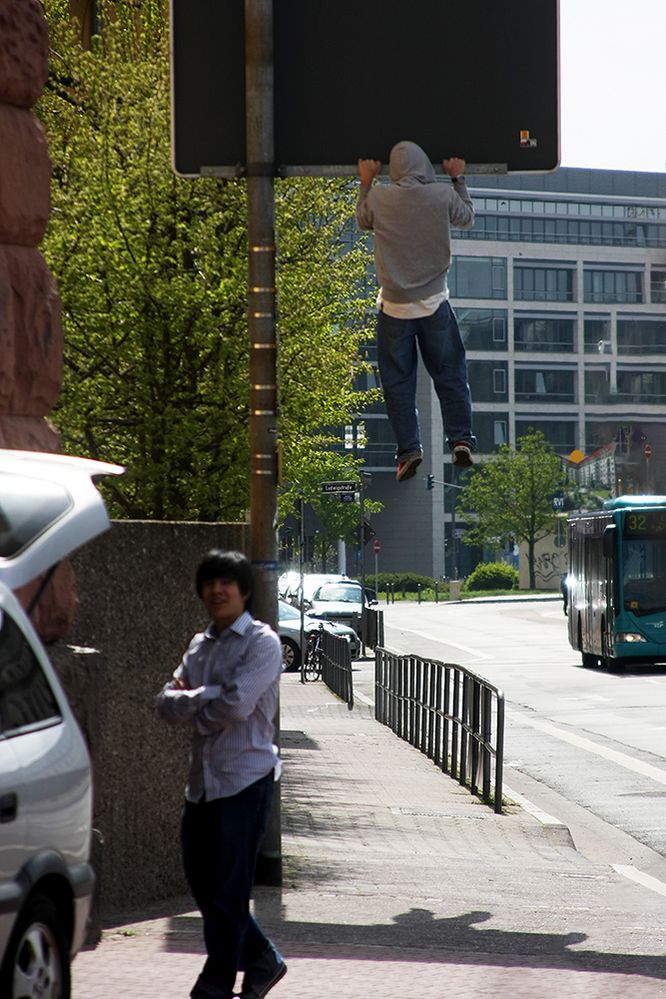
<point x="48" y="507"/>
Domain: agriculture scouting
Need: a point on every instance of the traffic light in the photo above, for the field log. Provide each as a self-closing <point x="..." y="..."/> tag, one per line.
<point x="368" y="532"/>
<point x="430" y="482"/>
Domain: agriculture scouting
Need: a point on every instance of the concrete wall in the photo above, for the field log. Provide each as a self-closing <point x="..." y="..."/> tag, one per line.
<point x="410" y="510"/>
<point x="550" y="562"/>
<point x="137" y="612"/>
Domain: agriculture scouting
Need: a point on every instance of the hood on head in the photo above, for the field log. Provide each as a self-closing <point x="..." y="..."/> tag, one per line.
<point x="408" y="164"/>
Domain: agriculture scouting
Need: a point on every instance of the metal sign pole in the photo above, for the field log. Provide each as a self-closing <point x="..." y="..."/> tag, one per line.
<point x="454" y="540"/>
<point x="301" y="567"/>
<point x="259" y="132"/>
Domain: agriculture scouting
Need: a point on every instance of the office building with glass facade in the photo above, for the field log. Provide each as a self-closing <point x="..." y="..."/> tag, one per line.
<point x="560" y="291"/>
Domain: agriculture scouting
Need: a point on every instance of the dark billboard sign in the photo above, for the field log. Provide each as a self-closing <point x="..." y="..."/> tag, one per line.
<point x="471" y="78"/>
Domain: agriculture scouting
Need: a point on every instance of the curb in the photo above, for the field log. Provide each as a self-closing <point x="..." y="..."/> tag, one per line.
<point x="558" y="831"/>
<point x="527" y="599"/>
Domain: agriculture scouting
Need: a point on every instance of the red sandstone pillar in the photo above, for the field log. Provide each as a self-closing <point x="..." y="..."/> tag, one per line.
<point x="31" y="342"/>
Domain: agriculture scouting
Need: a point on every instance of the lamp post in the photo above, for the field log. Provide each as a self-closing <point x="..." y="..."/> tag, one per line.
<point x="454" y="547"/>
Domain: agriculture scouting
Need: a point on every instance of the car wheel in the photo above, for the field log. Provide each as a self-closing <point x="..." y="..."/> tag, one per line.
<point x="36" y="964"/>
<point x="291" y="654"/>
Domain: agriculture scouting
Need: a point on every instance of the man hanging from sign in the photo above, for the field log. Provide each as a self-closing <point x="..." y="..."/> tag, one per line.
<point x="410" y="218"/>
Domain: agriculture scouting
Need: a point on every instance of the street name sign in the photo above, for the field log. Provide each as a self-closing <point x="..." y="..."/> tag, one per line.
<point x="342" y="488"/>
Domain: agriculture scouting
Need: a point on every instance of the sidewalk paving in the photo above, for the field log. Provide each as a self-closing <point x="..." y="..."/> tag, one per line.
<point x="398" y="883"/>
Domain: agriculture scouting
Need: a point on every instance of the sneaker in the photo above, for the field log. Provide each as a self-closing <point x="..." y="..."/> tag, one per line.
<point x="462" y="455"/>
<point x="263" y="975"/>
<point x="407" y="467"/>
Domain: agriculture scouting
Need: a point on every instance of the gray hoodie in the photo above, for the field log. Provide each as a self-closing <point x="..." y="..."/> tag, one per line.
<point x="410" y="218"/>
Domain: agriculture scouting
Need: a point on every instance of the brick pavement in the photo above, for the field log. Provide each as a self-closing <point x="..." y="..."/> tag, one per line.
<point x="398" y="883"/>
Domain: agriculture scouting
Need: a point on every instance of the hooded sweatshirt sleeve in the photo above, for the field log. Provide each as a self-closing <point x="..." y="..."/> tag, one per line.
<point x="461" y="209"/>
<point x="363" y="208"/>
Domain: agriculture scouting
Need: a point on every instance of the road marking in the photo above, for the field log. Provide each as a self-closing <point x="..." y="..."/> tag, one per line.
<point x="640" y="877"/>
<point x="440" y="640"/>
<point x="628" y="762"/>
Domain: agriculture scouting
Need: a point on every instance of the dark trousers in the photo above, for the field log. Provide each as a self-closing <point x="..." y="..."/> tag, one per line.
<point x="443" y="353"/>
<point x="220" y="841"/>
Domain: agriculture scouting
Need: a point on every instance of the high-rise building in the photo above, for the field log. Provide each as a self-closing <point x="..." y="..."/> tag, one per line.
<point x="560" y="291"/>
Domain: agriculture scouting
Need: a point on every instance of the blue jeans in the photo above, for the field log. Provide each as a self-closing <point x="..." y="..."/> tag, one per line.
<point x="220" y="841"/>
<point x="443" y="354"/>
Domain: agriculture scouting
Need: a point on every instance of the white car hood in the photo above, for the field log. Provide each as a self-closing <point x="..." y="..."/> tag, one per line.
<point x="48" y="507"/>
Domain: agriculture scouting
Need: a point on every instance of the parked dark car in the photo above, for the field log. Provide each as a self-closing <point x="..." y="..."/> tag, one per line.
<point x="289" y="629"/>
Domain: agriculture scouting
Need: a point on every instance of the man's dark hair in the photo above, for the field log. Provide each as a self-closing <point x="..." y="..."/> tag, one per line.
<point x="232" y="566"/>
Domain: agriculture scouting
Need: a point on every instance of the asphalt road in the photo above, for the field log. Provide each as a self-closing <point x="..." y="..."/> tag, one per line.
<point x="586" y="746"/>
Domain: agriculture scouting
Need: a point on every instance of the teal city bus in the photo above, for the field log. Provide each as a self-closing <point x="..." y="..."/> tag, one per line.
<point x="616" y="584"/>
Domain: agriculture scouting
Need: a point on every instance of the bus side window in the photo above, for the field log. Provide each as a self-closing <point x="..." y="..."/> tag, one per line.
<point x="608" y="541"/>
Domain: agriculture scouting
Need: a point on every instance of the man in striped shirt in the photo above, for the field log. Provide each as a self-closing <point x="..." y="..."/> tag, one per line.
<point x="226" y="691"/>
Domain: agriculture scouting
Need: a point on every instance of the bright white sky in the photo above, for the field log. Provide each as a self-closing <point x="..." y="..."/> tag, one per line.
<point x="613" y="84"/>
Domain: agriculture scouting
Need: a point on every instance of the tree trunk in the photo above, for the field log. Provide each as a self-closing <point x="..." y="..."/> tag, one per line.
<point x="530" y="562"/>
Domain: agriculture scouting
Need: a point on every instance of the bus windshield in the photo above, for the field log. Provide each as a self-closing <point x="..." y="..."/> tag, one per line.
<point x="644" y="574"/>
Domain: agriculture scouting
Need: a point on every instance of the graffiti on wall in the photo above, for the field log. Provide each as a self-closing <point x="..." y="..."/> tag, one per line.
<point x="549" y="567"/>
<point x="551" y="562"/>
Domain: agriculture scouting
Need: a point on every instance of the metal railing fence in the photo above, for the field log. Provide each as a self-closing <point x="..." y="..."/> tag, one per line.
<point x="336" y="666"/>
<point x="372" y="627"/>
<point x="447" y="712"/>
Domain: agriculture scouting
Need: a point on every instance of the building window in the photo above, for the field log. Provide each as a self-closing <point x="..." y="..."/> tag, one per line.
<point x="541" y="283"/>
<point x="641" y="336"/>
<point x="483" y="329"/>
<point x="499" y="381"/>
<point x="499" y="432"/>
<point x="544" y="334"/>
<point x="641" y="387"/>
<point x="539" y="385"/>
<point x="596" y="386"/>
<point x="490" y="430"/>
<point x="597" y="334"/>
<point x="355" y="436"/>
<point x="657" y="285"/>
<point x="560" y="434"/>
<point x="613" y="285"/>
<point x="478" y="277"/>
<point x="499" y="331"/>
<point x="487" y="380"/>
<point x="375" y="440"/>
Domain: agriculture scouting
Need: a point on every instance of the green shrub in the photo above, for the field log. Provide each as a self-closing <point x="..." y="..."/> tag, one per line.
<point x="493" y="576"/>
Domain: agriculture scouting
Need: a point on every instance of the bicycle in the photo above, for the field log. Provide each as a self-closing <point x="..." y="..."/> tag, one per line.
<point x="314" y="655"/>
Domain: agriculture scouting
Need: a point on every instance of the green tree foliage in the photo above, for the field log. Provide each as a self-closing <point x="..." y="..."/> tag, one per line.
<point x="510" y="496"/>
<point x="152" y="273"/>
<point x="338" y="519"/>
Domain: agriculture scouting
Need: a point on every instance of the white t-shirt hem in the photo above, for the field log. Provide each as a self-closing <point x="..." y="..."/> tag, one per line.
<point x="412" y="310"/>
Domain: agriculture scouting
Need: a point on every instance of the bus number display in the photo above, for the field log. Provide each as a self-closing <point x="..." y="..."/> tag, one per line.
<point x="645" y="524"/>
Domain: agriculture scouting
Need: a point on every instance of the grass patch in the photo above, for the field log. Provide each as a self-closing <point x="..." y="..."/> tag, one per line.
<point x="428" y="595"/>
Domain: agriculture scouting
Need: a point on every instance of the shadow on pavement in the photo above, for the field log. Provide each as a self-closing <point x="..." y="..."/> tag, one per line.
<point x="418" y="937"/>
